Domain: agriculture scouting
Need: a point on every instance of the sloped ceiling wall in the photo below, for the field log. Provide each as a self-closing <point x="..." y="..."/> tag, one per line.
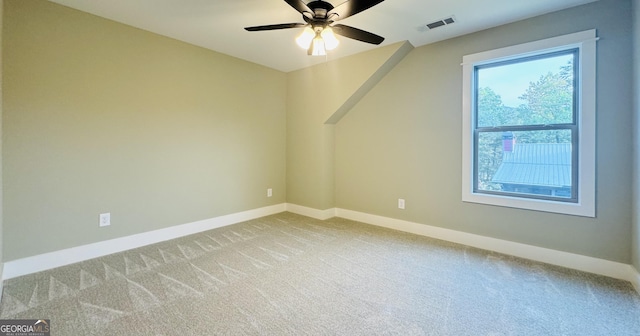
<point x="317" y="98"/>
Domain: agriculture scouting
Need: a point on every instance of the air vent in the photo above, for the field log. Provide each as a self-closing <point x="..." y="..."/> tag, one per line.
<point x="440" y="23"/>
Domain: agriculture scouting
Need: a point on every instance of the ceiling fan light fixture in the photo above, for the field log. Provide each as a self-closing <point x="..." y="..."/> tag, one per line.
<point x="305" y="38"/>
<point x="318" y="47"/>
<point x="330" y="40"/>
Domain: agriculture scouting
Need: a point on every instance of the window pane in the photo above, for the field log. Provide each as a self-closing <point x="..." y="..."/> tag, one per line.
<point x="532" y="91"/>
<point x="527" y="162"/>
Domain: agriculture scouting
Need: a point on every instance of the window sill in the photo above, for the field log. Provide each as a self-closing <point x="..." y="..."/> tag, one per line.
<point x="583" y="209"/>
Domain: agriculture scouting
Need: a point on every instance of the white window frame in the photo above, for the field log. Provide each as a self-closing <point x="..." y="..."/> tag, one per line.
<point x="585" y="42"/>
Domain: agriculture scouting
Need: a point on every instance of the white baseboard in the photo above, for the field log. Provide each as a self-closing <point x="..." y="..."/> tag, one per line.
<point x="1" y="271"/>
<point x="565" y="259"/>
<point x="310" y="212"/>
<point x="41" y="262"/>
<point x="68" y="256"/>
<point x="636" y="279"/>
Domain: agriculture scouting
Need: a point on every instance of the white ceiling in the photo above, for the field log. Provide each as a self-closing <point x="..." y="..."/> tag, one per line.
<point x="219" y="24"/>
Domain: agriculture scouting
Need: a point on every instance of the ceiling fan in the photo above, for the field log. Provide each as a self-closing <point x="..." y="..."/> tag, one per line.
<point x="317" y="36"/>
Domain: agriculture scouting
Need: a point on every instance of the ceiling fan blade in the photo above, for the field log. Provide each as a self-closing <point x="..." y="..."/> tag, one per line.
<point x="352" y="7"/>
<point x="276" y="26"/>
<point x="357" y="34"/>
<point x="300" y="6"/>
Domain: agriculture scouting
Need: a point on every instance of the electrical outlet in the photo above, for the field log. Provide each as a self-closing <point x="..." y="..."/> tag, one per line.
<point x="400" y="203"/>
<point x="105" y="219"/>
<point x="269" y="192"/>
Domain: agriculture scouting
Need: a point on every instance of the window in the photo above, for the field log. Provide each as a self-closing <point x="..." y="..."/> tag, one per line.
<point x="529" y="125"/>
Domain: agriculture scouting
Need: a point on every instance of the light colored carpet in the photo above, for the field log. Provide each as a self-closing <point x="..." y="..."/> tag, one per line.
<point x="292" y="275"/>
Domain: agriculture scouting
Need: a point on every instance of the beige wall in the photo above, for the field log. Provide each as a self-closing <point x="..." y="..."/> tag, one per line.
<point x="316" y="98"/>
<point x="1" y="184"/>
<point x="636" y="154"/>
<point x="101" y="117"/>
<point x="403" y="140"/>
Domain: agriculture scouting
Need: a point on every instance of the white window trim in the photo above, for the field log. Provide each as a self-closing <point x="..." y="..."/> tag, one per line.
<point x="585" y="41"/>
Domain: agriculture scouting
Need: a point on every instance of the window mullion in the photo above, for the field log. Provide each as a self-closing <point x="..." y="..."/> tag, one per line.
<point x="525" y="128"/>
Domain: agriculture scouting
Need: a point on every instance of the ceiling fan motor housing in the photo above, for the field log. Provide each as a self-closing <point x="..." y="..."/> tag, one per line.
<point x="320" y="16"/>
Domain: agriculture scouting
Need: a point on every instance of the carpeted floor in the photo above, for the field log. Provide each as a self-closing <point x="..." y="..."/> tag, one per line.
<point x="293" y="275"/>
